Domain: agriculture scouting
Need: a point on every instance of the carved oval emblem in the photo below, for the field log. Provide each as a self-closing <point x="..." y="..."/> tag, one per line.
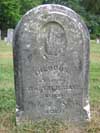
<point x="54" y="39"/>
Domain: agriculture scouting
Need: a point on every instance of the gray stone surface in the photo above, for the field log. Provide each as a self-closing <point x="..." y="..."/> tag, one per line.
<point x="10" y="36"/>
<point x="98" y="40"/>
<point x="51" y="62"/>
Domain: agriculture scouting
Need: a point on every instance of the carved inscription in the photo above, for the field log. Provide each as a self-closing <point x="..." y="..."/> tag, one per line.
<point x="53" y="87"/>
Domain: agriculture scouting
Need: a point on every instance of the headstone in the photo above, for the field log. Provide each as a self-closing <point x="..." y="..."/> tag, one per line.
<point x="10" y="36"/>
<point x="51" y="61"/>
<point x="98" y="40"/>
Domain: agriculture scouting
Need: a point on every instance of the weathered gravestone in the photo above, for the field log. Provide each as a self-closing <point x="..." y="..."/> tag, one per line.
<point x="10" y="36"/>
<point x="51" y="61"/>
<point x="98" y="40"/>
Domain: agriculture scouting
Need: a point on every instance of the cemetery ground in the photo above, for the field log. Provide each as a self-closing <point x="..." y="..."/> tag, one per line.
<point x="7" y="98"/>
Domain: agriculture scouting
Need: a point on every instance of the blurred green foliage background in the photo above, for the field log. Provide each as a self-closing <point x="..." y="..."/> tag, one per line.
<point x="12" y="10"/>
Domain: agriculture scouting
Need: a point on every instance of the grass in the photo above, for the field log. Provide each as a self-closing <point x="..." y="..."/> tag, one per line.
<point x="7" y="98"/>
<point x="95" y="73"/>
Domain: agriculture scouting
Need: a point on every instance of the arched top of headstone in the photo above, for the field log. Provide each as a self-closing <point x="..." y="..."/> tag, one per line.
<point x="53" y="13"/>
